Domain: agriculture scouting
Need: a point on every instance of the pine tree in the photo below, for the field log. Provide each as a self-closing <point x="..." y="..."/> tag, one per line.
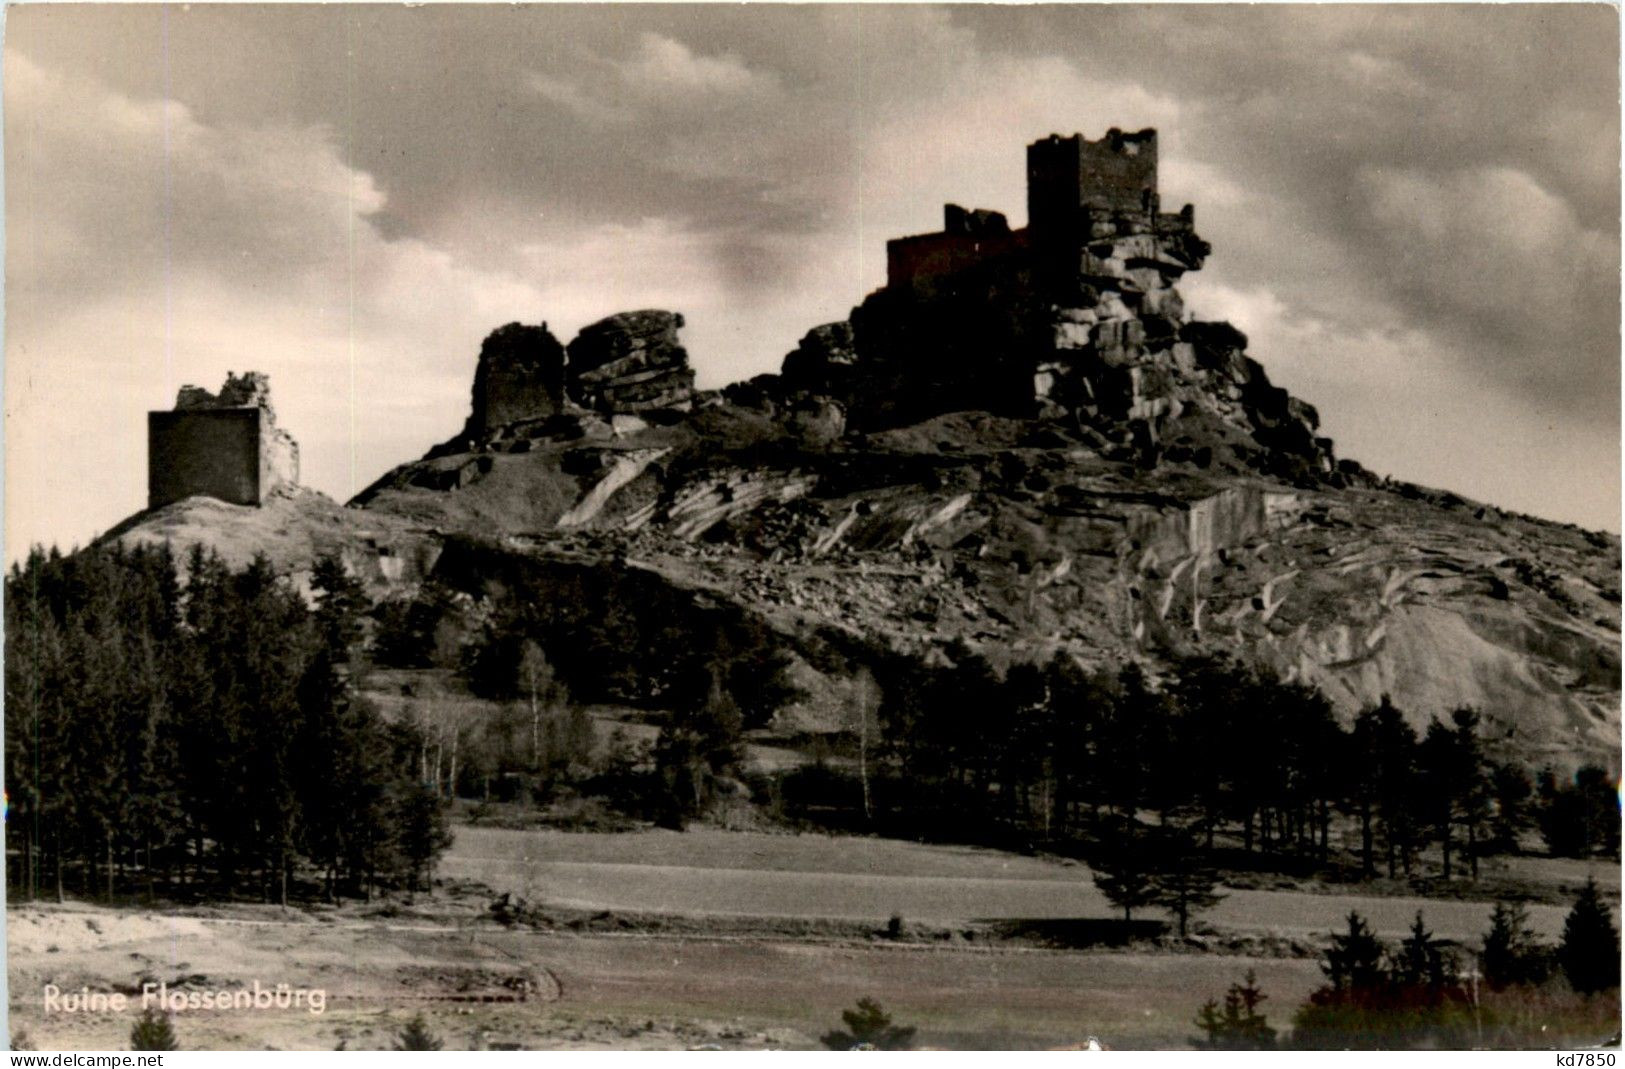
<point x="1589" y="953"/>
<point x="417" y="1036"/>
<point x="1239" y="1025"/>
<point x="1396" y="745"/>
<point x="1124" y="874"/>
<point x="1180" y="883"/>
<point x="1510" y="955"/>
<point x="1511" y="791"/>
<point x="425" y="832"/>
<point x="1422" y="964"/>
<point x="870" y="1028"/>
<point x="152" y="1031"/>
<point x="1354" y="961"/>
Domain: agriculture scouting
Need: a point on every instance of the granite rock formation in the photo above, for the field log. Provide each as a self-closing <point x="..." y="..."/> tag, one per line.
<point x="1022" y="444"/>
<point x="631" y="362"/>
<point x="823" y="361"/>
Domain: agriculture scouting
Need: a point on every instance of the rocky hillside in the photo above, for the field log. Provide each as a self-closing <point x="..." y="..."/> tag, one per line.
<point x="1021" y="443"/>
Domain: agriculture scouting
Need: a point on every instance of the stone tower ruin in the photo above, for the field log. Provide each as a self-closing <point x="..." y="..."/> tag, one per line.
<point x="1070" y="178"/>
<point x="224" y="445"/>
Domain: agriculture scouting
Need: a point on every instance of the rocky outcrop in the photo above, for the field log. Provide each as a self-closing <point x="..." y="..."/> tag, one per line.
<point x="1024" y="444"/>
<point x="631" y="362"/>
<point x="520" y="376"/>
<point x="1076" y="318"/>
<point x="823" y="360"/>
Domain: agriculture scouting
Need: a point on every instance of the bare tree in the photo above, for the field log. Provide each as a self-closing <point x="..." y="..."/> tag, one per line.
<point x="865" y="704"/>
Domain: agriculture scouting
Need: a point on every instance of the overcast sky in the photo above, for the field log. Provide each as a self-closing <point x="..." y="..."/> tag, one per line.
<point x="1414" y="209"/>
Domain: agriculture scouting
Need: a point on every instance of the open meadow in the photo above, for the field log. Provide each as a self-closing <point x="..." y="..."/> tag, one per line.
<point x="705" y="938"/>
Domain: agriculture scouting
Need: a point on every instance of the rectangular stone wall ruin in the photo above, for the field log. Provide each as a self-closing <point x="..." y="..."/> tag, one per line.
<point x="233" y="454"/>
<point x="513" y="393"/>
<point x="918" y="261"/>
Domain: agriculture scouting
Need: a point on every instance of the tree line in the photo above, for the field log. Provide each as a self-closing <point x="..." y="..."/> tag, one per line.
<point x="1427" y="993"/>
<point x="946" y="746"/>
<point x="203" y="738"/>
<point x="1060" y="752"/>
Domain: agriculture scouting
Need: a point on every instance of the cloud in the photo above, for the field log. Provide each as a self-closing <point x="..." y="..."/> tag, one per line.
<point x="661" y="64"/>
<point x="1405" y="403"/>
<point x="147" y="179"/>
<point x="575" y="99"/>
<point x="660" y="77"/>
<point x="177" y="250"/>
<point x="1525" y="277"/>
<point x="243" y="247"/>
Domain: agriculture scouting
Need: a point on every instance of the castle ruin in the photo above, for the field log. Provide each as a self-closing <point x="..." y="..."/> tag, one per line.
<point x="224" y="445"/>
<point x="1075" y="317"/>
<point x="1078" y="191"/>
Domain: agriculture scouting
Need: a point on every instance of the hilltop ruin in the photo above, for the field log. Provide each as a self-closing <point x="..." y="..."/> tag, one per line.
<point x="1074" y="317"/>
<point x="224" y="445"/>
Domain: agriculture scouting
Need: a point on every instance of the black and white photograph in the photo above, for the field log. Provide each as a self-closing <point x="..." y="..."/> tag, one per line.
<point x="826" y="527"/>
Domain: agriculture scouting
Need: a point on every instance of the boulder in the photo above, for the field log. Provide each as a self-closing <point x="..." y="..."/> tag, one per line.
<point x="630" y="362"/>
<point x="818" y="421"/>
<point x="822" y="360"/>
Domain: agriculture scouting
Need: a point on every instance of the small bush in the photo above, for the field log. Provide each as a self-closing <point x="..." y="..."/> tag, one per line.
<point x="416" y="1036"/>
<point x="1239" y="1025"/>
<point x="152" y="1031"/>
<point x="868" y="1027"/>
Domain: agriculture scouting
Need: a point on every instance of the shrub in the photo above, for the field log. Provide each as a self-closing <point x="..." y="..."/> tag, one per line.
<point x="1239" y="1025"/>
<point x="869" y="1028"/>
<point x="152" y="1031"/>
<point x="416" y="1036"/>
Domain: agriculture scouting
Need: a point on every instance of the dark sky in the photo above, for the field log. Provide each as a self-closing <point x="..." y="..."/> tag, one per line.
<point x="1414" y="209"/>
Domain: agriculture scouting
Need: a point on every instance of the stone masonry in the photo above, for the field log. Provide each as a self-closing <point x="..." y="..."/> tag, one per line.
<point x="224" y="445"/>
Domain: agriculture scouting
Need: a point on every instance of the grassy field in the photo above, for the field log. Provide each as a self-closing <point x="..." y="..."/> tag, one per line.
<point x="769" y="937"/>
<point x="707" y="871"/>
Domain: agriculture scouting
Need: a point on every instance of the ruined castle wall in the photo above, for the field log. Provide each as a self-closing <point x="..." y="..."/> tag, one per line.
<point x="515" y="393"/>
<point x="1067" y="176"/>
<point x="278" y="459"/>
<point x="915" y="262"/>
<point x="1119" y="172"/>
<point x="204" y="451"/>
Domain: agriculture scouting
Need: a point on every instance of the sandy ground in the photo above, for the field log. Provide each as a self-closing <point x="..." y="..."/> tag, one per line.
<point x="602" y="990"/>
<point x="708" y="978"/>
